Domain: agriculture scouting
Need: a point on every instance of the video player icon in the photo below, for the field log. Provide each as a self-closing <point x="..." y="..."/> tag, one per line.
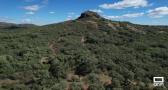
<point x="158" y="81"/>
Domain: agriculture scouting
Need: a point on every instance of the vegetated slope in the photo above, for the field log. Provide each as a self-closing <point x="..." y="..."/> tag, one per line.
<point x="89" y="53"/>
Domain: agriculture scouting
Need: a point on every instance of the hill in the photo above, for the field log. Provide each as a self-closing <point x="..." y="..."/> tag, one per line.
<point x="5" y="25"/>
<point x="88" y="53"/>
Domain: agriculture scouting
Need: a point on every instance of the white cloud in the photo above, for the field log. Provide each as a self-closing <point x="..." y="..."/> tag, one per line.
<point x="30" y="13"/>
<point x="27" y="20"/>
<point x="52" y="12"/>
<point x="71" y="15"/>
<point x="32" y="8"/>
<point x="112" y="17"/>
<point x="130" y="15"/>
<point x="97" y="10"/>
<point x="125" y="4"/>
<point x="158" y="12"/>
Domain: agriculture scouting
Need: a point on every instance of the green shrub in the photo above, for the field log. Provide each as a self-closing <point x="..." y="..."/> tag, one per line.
<point x="75" y="86"/>
<point x="60" y="86"/>
<point x="5" y="65"/>
<point x="96" y="86"/>
<point x="58" y="69"/>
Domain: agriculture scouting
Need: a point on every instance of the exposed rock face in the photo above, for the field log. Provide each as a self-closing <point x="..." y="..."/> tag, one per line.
<point x="90" y="14"/>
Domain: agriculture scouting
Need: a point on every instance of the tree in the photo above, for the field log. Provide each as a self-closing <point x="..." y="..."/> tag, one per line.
<point x="85" y="64"/>
<point x="84" y="68"/>
<point x="58" y="69"/>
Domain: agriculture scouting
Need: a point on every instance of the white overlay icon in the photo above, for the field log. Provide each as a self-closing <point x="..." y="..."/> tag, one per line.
<point x="158" y="81"/>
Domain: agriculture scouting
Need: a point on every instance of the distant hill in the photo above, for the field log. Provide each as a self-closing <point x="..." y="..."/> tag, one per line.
<point x="4" y="25"/>
<point x="88" y="53"/>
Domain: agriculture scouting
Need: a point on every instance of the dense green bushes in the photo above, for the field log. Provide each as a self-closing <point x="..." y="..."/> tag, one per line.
<point x="42" y="58"/>
<point x="6" y="65"/>
<point x="58" y="69"/>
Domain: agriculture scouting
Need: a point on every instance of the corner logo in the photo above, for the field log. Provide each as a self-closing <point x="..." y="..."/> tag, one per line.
<point x="158" y="81"/>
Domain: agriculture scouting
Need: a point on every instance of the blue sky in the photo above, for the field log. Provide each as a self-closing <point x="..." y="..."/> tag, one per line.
<point x="42" y="12"/>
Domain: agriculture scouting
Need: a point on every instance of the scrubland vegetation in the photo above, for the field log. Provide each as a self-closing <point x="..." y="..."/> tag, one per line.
<point x="89" y="53"/>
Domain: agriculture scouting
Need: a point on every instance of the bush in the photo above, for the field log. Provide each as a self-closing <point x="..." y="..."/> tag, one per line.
<point x="93" y="78"/>
<point x="5" y="66"/>
<point x="116" y="83"/>
<point x="19" y="87"/>
<point x="86" y="65"/>
<point x="58" y="69"/>
<point x="75" y="86"/>
<point x="96" y="86"/>
<point x="60" y="86"/>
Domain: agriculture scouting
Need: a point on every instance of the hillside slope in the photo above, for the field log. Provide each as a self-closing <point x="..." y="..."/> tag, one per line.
<point x="89" y="53"/>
